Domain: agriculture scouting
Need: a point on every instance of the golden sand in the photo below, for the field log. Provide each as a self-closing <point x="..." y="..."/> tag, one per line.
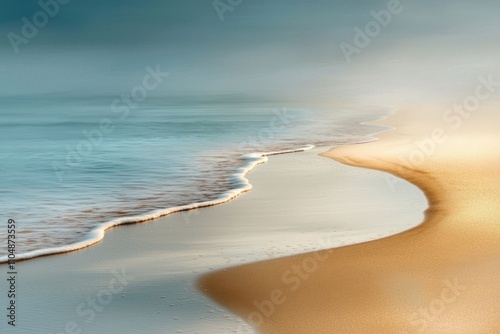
<point x="441" y="277"/>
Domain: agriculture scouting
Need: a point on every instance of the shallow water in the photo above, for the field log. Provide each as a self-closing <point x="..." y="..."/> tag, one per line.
<point x="71" y="166"/>
<point x="300" y="203"/>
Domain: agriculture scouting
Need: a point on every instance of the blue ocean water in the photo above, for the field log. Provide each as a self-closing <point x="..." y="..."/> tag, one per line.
<point x="72" y="165"/>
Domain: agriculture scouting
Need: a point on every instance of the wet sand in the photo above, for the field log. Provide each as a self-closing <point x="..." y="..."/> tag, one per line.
<point x="439" y="277"/>
<point x="143" y="278"/>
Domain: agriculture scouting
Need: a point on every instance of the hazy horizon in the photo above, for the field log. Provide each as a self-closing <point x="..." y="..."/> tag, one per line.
<point x="261" y="50"/>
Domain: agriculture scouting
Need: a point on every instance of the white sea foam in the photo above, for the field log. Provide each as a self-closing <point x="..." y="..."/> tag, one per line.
<point x="240" y="182"/>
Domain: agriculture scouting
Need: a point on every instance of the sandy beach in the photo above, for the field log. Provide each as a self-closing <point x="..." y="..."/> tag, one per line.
<point x="250" y="167"/>
<point x="143" y="278"/>
<point x="439" y="277"/>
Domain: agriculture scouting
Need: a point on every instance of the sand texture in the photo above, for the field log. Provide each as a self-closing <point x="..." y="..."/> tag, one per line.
<point x="440" y="277"/>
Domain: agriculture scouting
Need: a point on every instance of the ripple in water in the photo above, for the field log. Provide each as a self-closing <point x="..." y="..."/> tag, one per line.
<point x="160" y="157"/>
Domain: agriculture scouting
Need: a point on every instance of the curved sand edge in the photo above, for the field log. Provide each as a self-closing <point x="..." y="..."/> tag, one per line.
<point x="440" y="277"/>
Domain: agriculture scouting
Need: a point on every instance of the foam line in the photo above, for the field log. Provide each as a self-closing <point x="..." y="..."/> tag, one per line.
<point x="240" y="182"/>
